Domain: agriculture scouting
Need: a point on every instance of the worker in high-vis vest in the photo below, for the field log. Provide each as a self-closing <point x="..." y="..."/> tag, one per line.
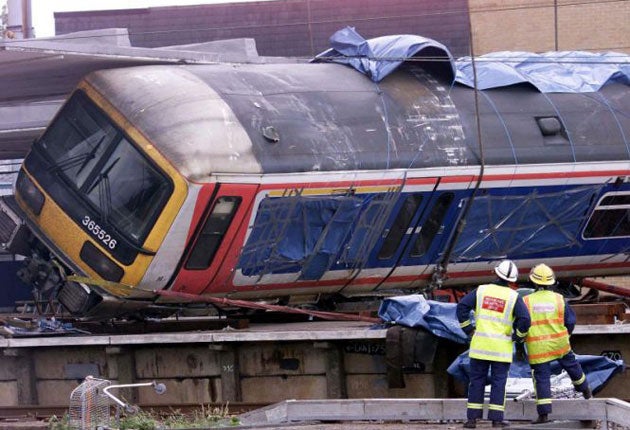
<point x="501" y="318"/>
<point x="553" y="321"/>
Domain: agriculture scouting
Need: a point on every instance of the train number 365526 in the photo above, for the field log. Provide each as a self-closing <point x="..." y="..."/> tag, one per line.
<point x="98" y="231"/>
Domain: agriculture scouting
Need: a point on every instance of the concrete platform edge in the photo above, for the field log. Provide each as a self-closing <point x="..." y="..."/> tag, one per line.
<point x="604" y="410"/>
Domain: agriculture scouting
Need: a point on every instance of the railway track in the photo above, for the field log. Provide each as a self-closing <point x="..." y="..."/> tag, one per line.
<point x="44" y="413"/>
<point x="20" y="325"/>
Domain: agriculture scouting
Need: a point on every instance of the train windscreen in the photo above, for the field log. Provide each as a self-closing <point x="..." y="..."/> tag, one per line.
<point x="98" y="162"/>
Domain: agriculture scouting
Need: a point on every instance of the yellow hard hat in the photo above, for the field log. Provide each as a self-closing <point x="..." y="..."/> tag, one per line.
<point x="542" y="275"/>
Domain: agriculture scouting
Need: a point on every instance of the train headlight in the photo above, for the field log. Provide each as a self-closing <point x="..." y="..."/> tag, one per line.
<point x="29" y="192"/>
<point x="101" y="263"/>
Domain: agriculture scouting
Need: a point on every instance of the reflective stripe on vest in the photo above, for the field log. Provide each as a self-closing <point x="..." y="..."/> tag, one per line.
<point x="494" y="314"/>
<point x="548" y="338"/>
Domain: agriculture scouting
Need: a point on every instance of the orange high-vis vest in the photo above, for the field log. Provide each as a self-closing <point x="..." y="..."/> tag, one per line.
<point x="494" y="315"/>
<point x="548" y="338"/>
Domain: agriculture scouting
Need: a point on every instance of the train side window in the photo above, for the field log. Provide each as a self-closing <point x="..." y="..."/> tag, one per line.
<point x="212" y="233"/>
<point x="611" y="218"/>
<point x="432" y="225"/>
<point x="400" y="226"/>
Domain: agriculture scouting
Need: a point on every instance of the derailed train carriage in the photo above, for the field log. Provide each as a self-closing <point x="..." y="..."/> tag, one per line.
<point x="310" y="180"/>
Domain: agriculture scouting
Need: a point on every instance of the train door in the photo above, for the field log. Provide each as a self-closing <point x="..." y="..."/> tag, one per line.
<point x="426" y="241"/>
<point x="210" y="254"/>
<point x="403" y="219"/>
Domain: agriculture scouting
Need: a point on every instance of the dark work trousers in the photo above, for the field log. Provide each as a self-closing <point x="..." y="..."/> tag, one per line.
<point x="542" y="380"/>
<point x="478" y="376"/>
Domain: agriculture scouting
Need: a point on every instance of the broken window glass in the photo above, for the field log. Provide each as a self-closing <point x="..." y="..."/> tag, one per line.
<point x="611" y="218"/>
<point x="432" y="225"/>
<point x="212" y="233"/>
<point x="400" y="226"/>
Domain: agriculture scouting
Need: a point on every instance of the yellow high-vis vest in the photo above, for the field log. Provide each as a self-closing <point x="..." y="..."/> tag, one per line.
<point x="494" y="315"/>
<point x="548" y="338"/>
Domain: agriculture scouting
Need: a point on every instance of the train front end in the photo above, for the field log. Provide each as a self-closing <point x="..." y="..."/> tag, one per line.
<point x="97" y="200"/>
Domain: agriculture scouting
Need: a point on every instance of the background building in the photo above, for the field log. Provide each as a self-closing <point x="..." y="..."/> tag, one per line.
<point x="302" y="27"/>
<point x="548" y="25"/>
<point x="282" y="27"/>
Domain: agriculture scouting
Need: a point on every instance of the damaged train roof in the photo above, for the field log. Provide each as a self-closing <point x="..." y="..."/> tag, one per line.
<point x="282" y="118"/>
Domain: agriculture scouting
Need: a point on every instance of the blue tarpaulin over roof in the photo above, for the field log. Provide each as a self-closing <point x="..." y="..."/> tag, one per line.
<point x="550" y="72"/>
<point x="564" y="71"/>
<point x="380" y="56"/>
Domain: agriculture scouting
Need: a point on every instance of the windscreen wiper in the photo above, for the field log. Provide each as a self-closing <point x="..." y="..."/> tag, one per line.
<point x="90" y="156"/>
<point x="105" y="199"/>
<point x="105" y="203"/>
<point x="82" y="159"/>
<point x="102" y="175"/>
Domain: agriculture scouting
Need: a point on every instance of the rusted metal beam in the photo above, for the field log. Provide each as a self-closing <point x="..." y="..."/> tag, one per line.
<point x="620" y="291"/>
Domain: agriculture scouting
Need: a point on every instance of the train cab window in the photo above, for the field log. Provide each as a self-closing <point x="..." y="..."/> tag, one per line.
<point x="432" y="225"/>
<point x="611" y="218"/>
<point x="93" y="170"/>
<point x="400" y="226"/>
<point x="212" y="233"/>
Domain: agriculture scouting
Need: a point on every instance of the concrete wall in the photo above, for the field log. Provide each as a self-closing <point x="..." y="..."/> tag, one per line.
<point x="615" y="347"/>
<point x="251" y="371"/>
<point x="256" y="372"/>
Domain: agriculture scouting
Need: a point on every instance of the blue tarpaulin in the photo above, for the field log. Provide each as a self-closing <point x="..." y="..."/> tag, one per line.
<point x="563" y="71"/>
<point x="313" y="234"/>
<point x="378" y="57"/>
<point x="523" y="225"/>
<point x="307" y="233"/>
<point x="550" y="72"/>
<point x="440" y="319"/>
<point x="598" y="369"/>
<point x="416" y="311"/>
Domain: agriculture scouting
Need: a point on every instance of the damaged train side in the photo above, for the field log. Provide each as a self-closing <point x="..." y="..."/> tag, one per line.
<point x="261" y="181"/>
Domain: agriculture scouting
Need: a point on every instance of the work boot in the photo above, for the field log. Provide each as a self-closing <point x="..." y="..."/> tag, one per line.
<point x="470" y="424"/>
<point x="542" y="419"/>
<point x="587" y="393"/>
<point x="500" y="424"/>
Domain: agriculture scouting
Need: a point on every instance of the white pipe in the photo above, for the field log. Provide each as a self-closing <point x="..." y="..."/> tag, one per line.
<point x="27" y="19"/>
<point x="159" y="388"/>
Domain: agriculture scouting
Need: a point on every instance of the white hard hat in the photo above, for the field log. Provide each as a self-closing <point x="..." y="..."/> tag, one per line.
<point x="507" y="270"/>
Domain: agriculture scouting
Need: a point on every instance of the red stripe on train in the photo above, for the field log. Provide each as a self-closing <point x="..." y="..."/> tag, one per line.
<point x="410" y="278"/>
